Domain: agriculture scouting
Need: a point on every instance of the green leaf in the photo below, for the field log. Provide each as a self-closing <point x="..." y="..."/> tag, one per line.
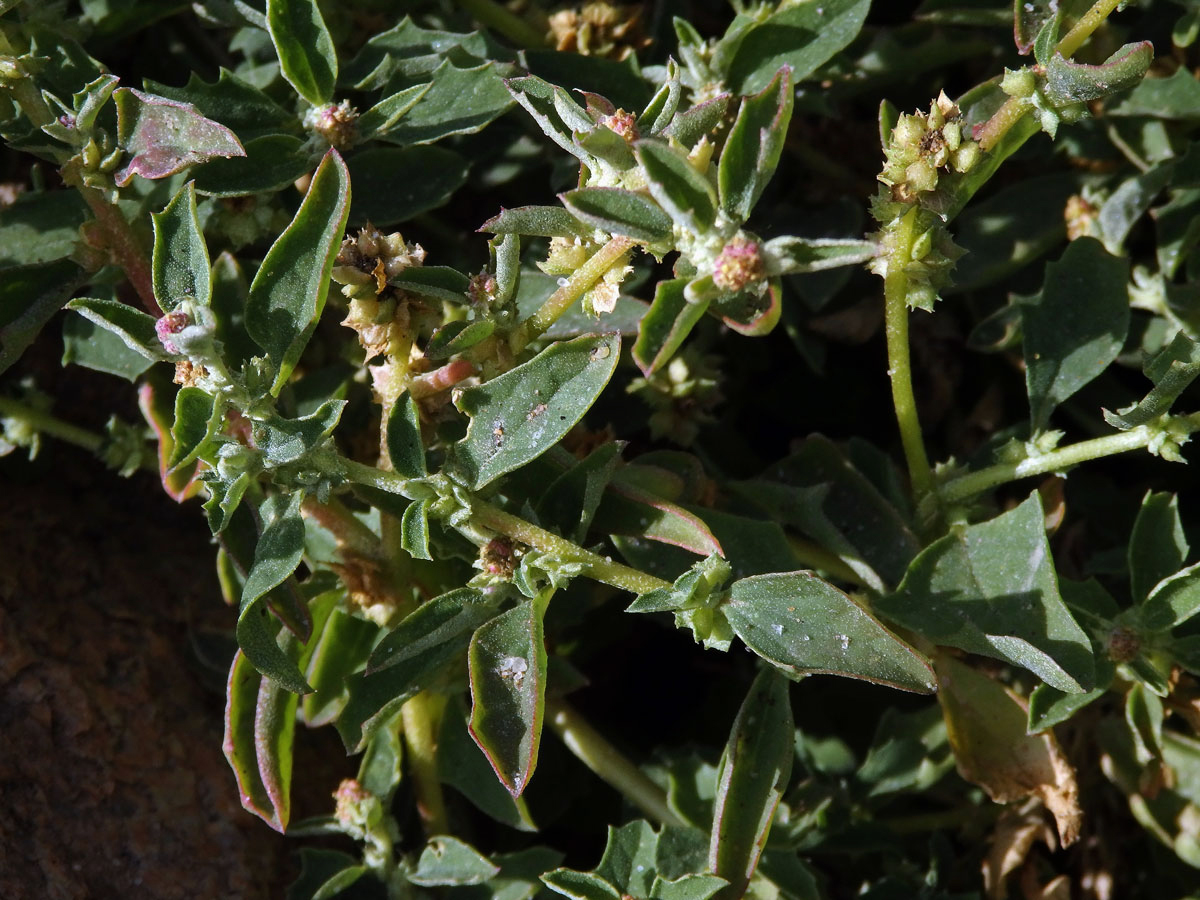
<point x="340" y="648"/>
<point x="438" y="282"/>
<point x="1071" y="82"/>
<point x="1068" y="343"/>
<point x="702" y="120"/>
<point x="686" y="887"/>
<point x="241" y="717"/>
<point x="663" y="105"/>
<point x="462" y="765"/>
<point x="804" y="36"/>
<point x="754" y="145"/>
<point x="278" y="554"/>
<point x="1171" y="370"/>
<point x="284" y="441"/>
<point x="163" y="137"/>
<point x="1011" y="228"/>
<point x="381" y="119"/>
<point x="805" y="625"/>
<point x="289" y="290"/>
<point x="181" y="267"/>
<point x="455" y="337"/>
<point x="272" y="163"/>
<point x="909" y="752"/>
<point x="1028" y="19"/>
<point x="413" y="52"/>
<point x="1177" y="96"/>
<point x="1173" y="600"/>
<point x="233" y="102"/>
<point x="818" y="491"/>
<point x="1048" y="706"/>
<point x="1126" y="205"/>
<point x="40" y="226"/>
<point x="1157" y="546"/>
<point x="444" y="620"/>
<point x="571" y="500"/>
<point x="618" y="211"/>
<point x="307" y="57"/>
<point x="751" y="779"/>
<point x="507" y="662"/>
<point x="627" y="509"/>
<point x="580" y="885"/>
<point x="198" y="416"/>
<point x="797" y="255"/>
<point x="134" y="327"/>
<point x="29" y="296"/>
<point x="991" y="589"/>
<point x="683" y="192"/>
<point x="405" y="448"/>
<point x="666" y="325"/>
<point x="414" y="529"/>
<point x="522" y="413"/>
<point x="394" y="184"/>
<point x="447" y="861"/>
<point x="459" y="101"/>
<point x="539" y="221"/>
<point x="554" y="111"/>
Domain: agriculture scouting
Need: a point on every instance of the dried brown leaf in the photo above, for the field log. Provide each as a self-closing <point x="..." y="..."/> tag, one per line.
<point x="986" y="723"/>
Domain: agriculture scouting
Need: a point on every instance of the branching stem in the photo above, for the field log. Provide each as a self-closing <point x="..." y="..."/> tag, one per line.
<point x="974" y="483"/>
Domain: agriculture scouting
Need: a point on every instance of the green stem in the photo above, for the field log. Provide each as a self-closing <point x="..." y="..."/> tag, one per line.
<point x="601" y="568"/>
<point x="1002" y="121"/>
<point x="609" y="763"/>
<point x="580" y="282"/>
<point x="421" y="716"/>
<point x="895" y="292"/>
<point x="48" y="424"/>
<point x="494" y="16"/>
<point x="1135" y="439"/>
<point x="495" y="519"/>
<point x="1092" y="19"/>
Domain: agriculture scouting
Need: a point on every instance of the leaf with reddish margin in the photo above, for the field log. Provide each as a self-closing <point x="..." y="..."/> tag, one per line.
<point x="1028" y="19"/>
<point x="762" y="321"/>
<point x="633" y="511"/>
<point x="751" y="780"/>
<point x="179" y="483"/>
<point x="165" y="136"/>
<point x="507" y="666"/>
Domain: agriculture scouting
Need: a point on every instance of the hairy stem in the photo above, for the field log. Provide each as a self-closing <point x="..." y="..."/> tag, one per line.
<point x="1135" y="439"/>
<point x="595" y="752"/>
<point x="495" y="519"/>
<point x="422" y="716"/>
<point x="494" y="16"/>
<point x="583" y="279"/>
<point x="601" y="568"/>
<point x="895" y="293"/>
<point x="44" y="423"/>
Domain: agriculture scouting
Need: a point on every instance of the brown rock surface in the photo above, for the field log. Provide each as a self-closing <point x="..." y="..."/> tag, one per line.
<point x="112" y="781"/>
